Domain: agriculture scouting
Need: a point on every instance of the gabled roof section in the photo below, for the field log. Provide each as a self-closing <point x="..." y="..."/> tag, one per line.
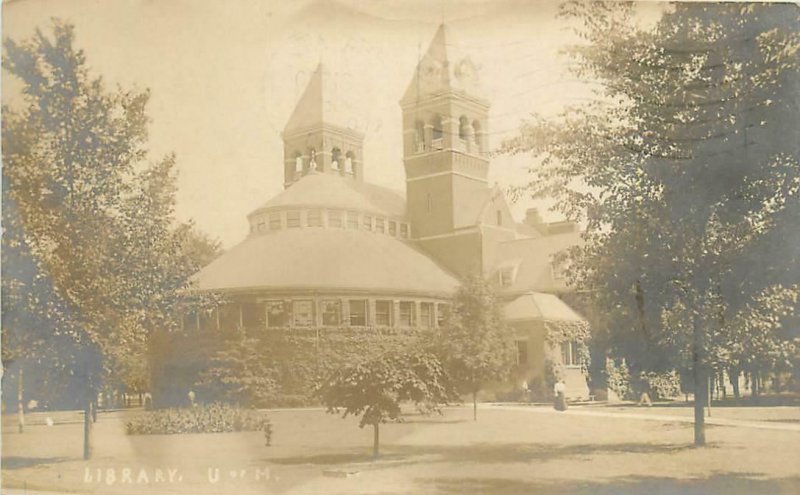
<point x="539" y="306"/>
<point x="331" y="191"/>
<point x="535" y="272"/>
<point x="444" y="68"/>
<point x="321" y="103"/>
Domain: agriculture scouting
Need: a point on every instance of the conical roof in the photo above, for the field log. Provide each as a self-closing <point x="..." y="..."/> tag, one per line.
<point x="444" y="68"/>
<point x="322" y="102"/>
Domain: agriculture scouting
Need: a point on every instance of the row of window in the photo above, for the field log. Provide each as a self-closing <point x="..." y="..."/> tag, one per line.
<point x="338" y="161"/>
<point x="467" y="133"/>
<point x="332" y="312"/>
<point x="330" y="218"/>
<point x="569" y="353"/>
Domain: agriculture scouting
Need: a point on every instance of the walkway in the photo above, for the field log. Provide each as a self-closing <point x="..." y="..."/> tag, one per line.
<point x="583" y="411"/>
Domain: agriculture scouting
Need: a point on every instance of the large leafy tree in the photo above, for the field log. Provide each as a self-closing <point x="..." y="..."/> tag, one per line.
<point x="685" y="170"/>
<point x="92" y="258"/>
<point x="475" y="344"/>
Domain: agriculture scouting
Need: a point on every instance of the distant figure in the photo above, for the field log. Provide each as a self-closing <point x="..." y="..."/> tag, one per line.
<point x="559" y="389"/>
<point x="191" y="397"/>
<point x="49" y="421"/>
<point x="644" y="400"/>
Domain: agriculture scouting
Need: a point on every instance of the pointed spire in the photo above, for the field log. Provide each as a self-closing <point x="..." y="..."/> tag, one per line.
<point x="310" y="106"/>
<point x="442" y="69"/>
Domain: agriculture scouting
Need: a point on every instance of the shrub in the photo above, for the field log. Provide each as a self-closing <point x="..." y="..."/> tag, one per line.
<point x="212" y="418"/>
<point x="661" y="385"/>
<point x="619" y="380"/>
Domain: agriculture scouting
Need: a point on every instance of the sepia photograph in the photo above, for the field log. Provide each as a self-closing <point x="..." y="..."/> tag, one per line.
<point x="398" y="247"/>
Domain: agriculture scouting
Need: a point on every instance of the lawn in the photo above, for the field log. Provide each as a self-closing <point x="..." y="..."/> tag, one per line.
<point x="504" y="452"/>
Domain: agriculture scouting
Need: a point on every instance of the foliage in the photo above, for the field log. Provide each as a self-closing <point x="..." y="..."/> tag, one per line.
<point x="92" y="260"/>
<point x="239" y="375"/>
<point x="295" y="358"/>
<point x="685" y="170"/>
<point x="662" y="385"/>
<point x="375" y="388"/>
<point x="619" y="380"/>
<point x="475" y="345"/>
<point x="210" y="418"/>
<point x="567" y="331"/>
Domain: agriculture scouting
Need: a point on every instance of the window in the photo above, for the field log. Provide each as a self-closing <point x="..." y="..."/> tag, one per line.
<point x="522" y="351"/>
<point x="406" y="316"/>
<point x="352" y="220"/>
<point x="303" y="313"/>
<point x="392" y="228"/>
<point x="559" y="265"/>
<point x="298" y="162"/>
<point x="348" y="162"/>
<point x="476" y="129"/>
<point x="569" y="353"/>
<point x="336" y="158"/>
<point x="426" y="314"/>
<point x="276" y="314"/>
<point x="463" y="128"/>
<point x="404" y="230"/>
<point x="314" y="218"/>
<point x="506" y="276"/>
<point x="358" y="313"/>
<point x="275" y="221"/>
<point x="442" y="311"/>
<point x="419" y="136"/>
<point x="334" y="218"/>
<point x="380" y="225"/>
<point x="253" y="315"/>
<point x="312" y="159"/>
<point x="366" y="221"/>
<point x="331" y="312"/>
<point x="292" y="219"/>
<point x="262" y="226"/>
<point x="437" y="128"/>
<point x="383" y="313"/>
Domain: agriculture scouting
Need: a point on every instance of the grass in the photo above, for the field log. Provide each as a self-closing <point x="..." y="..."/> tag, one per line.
<point x="504" y="452"/>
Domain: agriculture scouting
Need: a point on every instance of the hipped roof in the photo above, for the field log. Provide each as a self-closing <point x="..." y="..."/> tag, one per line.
<point x="540" y="306"/>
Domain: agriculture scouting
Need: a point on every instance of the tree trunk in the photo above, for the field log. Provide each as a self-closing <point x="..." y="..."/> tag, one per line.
<point x="700" y="384"/>
<point x="20" y="402"/>
<point x="734" y="379"/>
<point x="710" y="392"/>
<point x="87" y="428"/>
<point x="474" y="406"/>
<point x="375" y="441"/>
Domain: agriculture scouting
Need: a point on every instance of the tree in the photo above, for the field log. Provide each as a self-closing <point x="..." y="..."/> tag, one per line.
<point x="475" y="345"/>
<point x="375" y="388"/>
<point x="97" y="260"/>
<point x="685" y="170"/>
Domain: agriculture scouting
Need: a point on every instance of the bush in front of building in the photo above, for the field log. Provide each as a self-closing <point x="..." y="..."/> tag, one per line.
<point x="237" y="367"/>
<point x="203" y="418"/>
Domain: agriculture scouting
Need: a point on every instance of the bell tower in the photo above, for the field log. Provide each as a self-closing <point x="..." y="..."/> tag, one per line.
<point x="314" y="141"/>
<point x="445" y="150"/>
<point x="444" y="138"/>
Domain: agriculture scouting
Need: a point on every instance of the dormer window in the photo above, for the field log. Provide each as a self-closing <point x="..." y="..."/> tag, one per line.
<point x="506" y="276"/>
<point x="559" y="264"/>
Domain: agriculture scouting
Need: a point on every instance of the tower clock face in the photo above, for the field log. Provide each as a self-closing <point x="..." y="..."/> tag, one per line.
<point x="466" y="71"/>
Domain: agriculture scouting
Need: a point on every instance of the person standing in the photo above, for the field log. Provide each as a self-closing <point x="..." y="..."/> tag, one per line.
<point x="559" y="390"/>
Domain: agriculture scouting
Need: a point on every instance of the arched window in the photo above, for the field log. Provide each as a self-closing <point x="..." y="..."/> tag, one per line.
<point x="476" y="133"/>
<point x="312" y="159"/>
<point x="463" y="128"/>
<point x="348" y="162"/>
<point x="419" y="136"/>
<point x="437" y="127"/>
<point x="298" y="162"/>
<point x="336" y="158"/>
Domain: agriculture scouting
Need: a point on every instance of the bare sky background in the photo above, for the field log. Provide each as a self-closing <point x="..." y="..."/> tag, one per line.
<point x="225" y="76"/>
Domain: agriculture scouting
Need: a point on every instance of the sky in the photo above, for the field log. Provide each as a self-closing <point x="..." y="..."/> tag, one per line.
<point x="224" y="77"/>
